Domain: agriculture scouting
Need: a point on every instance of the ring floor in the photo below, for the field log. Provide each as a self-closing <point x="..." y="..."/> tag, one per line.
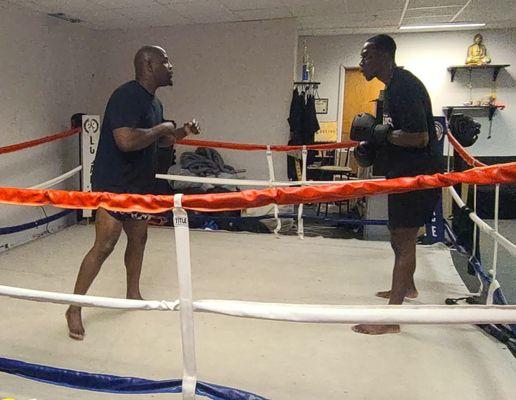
<point x="277" y="360"/>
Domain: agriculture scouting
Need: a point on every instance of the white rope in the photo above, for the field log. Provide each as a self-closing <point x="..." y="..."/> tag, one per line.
<point x="388" y="314"/>
<point x="247" y="182"/>
<point x="87" y="301"/>
<point x="57" y="180"/>
<point x="403" y="314"/>
<point x="507" y="244"/>
<point x="300" y="223"/>
<point x="272" y="179"/>
<point x="182" y="236"/>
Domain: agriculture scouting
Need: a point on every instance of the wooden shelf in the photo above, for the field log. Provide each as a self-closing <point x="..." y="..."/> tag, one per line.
<point x="495" y="67"/>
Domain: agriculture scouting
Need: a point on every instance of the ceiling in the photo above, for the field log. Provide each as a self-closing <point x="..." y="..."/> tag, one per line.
<point x="314" y="17"/>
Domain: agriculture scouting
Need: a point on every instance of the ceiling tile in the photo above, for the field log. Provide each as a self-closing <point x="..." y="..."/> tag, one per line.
<point x="203" y="11"/>
<point x="250" y="4"/>
<point x="375" y="6"/>
<point x="436" y="3"/>
<point x="267" y="13"/>
<point x="124" y="3"/>
<point x="432" y="12"/>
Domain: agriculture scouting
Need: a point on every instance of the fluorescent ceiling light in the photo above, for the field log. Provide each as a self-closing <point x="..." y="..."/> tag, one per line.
<point x="441" y="26"/>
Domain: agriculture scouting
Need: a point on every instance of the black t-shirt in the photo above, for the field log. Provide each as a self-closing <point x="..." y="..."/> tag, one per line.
<point x="130" y="106"/>
<point x="408" y="107"/>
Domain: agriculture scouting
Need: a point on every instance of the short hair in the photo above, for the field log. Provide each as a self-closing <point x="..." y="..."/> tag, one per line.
<point x="76" y="120"/>
<point x="384" y="43"/>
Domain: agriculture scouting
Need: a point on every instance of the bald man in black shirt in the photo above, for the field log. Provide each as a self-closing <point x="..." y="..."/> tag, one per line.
<point x="126" y="162"/>
<point x="410" y="150"/>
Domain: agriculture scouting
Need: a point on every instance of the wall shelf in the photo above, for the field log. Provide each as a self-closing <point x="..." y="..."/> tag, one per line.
<point x="448" y="110"/>
<point x="495" y="67"/>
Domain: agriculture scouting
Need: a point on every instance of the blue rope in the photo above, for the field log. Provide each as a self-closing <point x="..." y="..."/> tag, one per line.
<point x="23" y="227"/>
<point x="115" y="384"/>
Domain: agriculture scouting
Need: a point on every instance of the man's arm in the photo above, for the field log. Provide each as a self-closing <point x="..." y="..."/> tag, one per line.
<point x="190" y="128"/>
<point x="408" y="139"/>
<point x="413" y="130"/>
<point x="132" y="139"/>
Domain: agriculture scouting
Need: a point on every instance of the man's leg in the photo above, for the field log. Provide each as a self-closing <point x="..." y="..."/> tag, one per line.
<point x="136" y="231"/>
<point x="403" y="242"/>
<point x="107" y="232"/>
<point x="412" y="292"/>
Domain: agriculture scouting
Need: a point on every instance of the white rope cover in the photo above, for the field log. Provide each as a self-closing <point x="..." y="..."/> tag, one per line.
<point x="87" y="301"/>
<point x="59" y="179"/>
<point x="507" y="244"/>
<point x="403" y="314"/>
<point x="256" y="182"/>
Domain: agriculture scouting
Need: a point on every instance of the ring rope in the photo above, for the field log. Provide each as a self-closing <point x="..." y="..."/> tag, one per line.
<point x="500" y="173"/>
<point x="254" y="147"/>
<point x="315" y="313"/>
<point x="59" y="179"/>
<point x="32" y="143"/>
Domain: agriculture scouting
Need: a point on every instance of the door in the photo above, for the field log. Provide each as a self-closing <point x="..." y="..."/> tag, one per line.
<point x="359" y="96"/>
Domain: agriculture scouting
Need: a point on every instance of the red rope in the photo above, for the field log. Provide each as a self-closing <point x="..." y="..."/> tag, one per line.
<point x="36" y="142"/>
<point x="253" y="147"/>
<point x="501" y="173"/>
<point x="470" y="160"/>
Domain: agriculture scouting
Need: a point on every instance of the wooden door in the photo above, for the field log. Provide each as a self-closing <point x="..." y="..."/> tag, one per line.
<point x="359" y="96"/>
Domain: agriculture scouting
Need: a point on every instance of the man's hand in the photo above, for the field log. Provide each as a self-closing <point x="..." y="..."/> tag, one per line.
<point x="192" y="127"/>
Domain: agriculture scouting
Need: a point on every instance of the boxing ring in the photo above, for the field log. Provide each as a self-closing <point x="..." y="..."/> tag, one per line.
<point x="282" y="281"/>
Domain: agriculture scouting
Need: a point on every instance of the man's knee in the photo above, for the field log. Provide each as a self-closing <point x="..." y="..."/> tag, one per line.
<point x="403" y="240"/>
<point x="105" y="247"/>
<point x="137" y="237"/>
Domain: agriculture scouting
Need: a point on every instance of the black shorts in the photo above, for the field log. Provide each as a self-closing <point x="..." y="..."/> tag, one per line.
<point x="126" y="216"/>
<point x="412" y="209"/>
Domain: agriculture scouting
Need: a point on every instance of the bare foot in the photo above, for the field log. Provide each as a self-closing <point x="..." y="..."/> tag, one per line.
<point x="74" y="320"/>
<point x="135" y="296"/>
<point x="411" y="294"/>
<point x="376" y="329"/>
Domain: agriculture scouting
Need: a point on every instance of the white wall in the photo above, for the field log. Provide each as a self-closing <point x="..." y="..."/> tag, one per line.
<point x="236" y="79"/>
<point x="428" y="55"/>
<point x="44" y="80"/>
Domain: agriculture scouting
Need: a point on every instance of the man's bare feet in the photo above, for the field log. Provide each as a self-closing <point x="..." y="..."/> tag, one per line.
<point x="376" y="329"/>
<point x="411" y="294"/>
<point x="74" y="321"/>
<point x="134" y="296"/>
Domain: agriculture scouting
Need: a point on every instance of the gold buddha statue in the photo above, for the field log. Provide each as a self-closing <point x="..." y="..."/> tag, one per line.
<point x="477" y="52"/>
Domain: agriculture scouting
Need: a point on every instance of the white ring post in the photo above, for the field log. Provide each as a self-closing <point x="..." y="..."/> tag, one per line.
<point x="448" y="156"/>
<point x="184" y="273"/>
<point x="272" y="179"/>
<point x="300" y="227"/>
<point x="494" y="283"/>
<point x="474" y="252"/>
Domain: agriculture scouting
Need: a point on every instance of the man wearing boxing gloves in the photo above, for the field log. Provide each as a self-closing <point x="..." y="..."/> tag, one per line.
<point x="407" y="140"/>
<point x="133" y="129"/>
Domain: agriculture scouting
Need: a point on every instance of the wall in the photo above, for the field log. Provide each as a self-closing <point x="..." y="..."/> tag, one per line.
<point x="235" y="78"/>
<point x="428" y="55"/>
<point x="45" y="76"/>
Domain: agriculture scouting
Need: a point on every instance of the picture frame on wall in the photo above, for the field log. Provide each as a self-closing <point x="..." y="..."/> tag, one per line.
<point x="321" y="106"/>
